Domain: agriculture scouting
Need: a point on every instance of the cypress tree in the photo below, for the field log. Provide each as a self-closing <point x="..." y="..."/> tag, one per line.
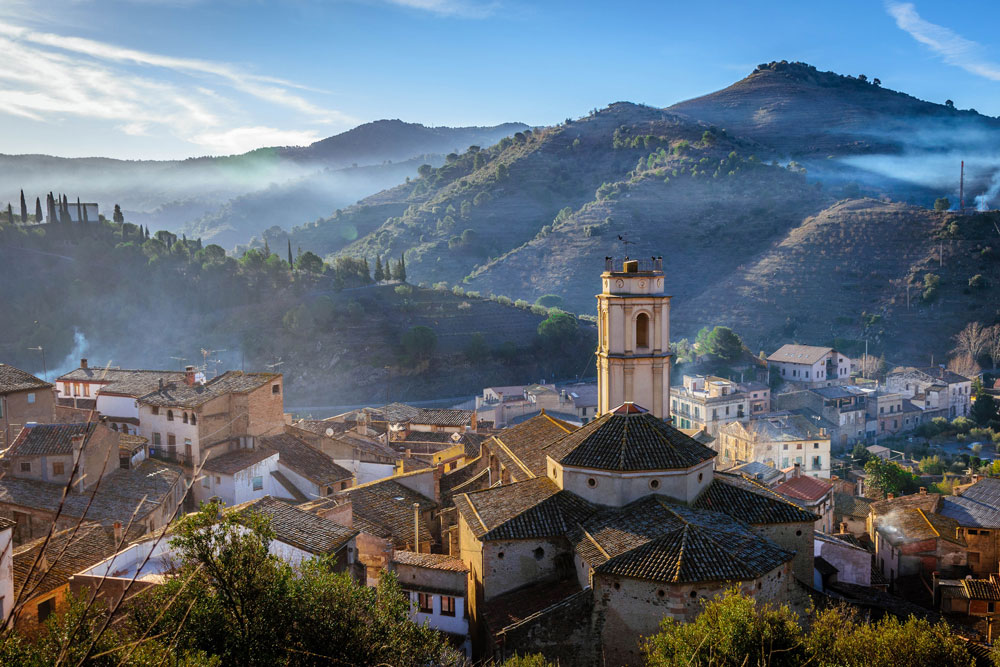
<point x="10" y="214"/>
<point x="118" y="216"/>
<point x="401" y="270"/>
<point x="24" y="210"/>
<point x="368" y="275"/>
<point x="38" y="211"/>
<point x="267" y="249"/>
<point x="379" y="273"/>
<point x="290" y="262"/>
<point x="79" y="211"/>
<point x="387" y="269"/>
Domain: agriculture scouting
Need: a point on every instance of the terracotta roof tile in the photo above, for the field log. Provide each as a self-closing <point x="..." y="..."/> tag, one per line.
<point x="66" y="553"/>
<point x="181" y="394"/>
<point x="300" y="528"/>
<point x="529" y="509"/>
<point x="804" y="487"/>
<point x="850" y="505"/>
<point x="231" y="463"/>
<point x="430" y="561"/>
<point x="48" y="439"/>
<point x="981" y="589"/>
<point x="14" y="379"/>
<point x="749" y="501"/>
<point x="388" y="505"/>
<point x="305" y="460"/>
<point x="523" y="448"/>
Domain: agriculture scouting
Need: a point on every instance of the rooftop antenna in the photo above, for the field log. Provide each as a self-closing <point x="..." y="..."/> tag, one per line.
<point x="45" y="372"/>
<point x="625" y="242"/>
<point x="204" y="356"/>
<point x="180" y="362"/>
<point x="277" y="363"/>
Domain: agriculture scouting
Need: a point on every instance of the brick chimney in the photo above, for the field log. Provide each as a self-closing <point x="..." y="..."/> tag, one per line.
<point x="189" y="376"/>
<point x="83" y="363"/>
<point x="798" y="470"/>
<point x="118" y="533"/>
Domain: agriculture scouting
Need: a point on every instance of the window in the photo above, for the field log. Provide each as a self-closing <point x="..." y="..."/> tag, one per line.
<point x="170" y="415"/>
<point x="58" y="468"/>
<point x="114" y="427"/>
<point x="25" y="466"/>
<point x="194" y="420"/>
<point x="654" y="484"/>
<point x="218" y="480"/>
<point x="817" y="463"/>
<point x="156" y="439"/>
<point x="798" y="446"/>
<point x="973" y="558"/>
<point x="447" y="605"/>
<point x="86" y="390"/>
<point x="171" y="441"/>
<point x="206" y="482"/>
<point x="184" y="418"/>
<point x="46" y="608"/>
<point x="815" y="445"/>
<point x="275" y="388"/>
<point x="76" y="388"/>
<point x="31" y="397"/>
<point x="425" y="603"/>
<point x="784" y="447"/>
<point x="591" y="482"/>
<point x="156" y="410"/>
<point x="642" y="330"/>
<point x="539" y="553"/>
<point x="258" y="483"/>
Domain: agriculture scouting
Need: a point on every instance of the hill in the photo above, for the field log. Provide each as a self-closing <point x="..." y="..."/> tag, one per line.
<point x="101" y="291"/>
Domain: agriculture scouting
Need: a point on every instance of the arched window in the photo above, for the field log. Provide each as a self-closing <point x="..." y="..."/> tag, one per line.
<point x="185" y="418"/>
<point x="194" y="420"/>
<point x="114" y="427"/>
<point x="170" y="415"/>
<point x="642" y="330"/>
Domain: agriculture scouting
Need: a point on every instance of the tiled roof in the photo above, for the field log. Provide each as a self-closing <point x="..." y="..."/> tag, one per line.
<point x="305" y="460"/>
<point x="804" y="487"/>
<point x="758" y="471"/>
<point x="325" y="427"/>
<point x="6" y="523"/>
<point x="118" y="496"/>
<point x="912" y="524"/>
<point x="231" y="463"/>
<point x="48" y="439"/>
<point x="139" y="383"/>
<point x="833" y="392"/>
<point x="513" y="607"/>
<point x="928" y="502"/>
<point x="625" y="440"/>
<point x="181" y="394"/>
<point x="396" y="413"/>
<point x="784" y="427"/>
<point x="430" y="561"/>
<point x="932" y="372"/>
<point x="387" y="505"/>
<point x="977" y="506"/>
<point x="750" y="502"/>
<point x="799" y="354"/>
<point x="850" y="505"/>
<point x="656" y="539"/>
<point x="442" y="417"/>
<point x="530" y="509"/>
<point x="300" y="528"/>
<point x="14" y="379"/>
<point x="68" y="552"/>
<point x="114" y="374"/>
<point x="981" y="589"/>
<point x="522" y="448"/>
<point x="582" y="395"/>
<point x="131" y="442"/>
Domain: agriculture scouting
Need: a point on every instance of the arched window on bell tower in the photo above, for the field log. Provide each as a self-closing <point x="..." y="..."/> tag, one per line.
<point x="642" y="331"/>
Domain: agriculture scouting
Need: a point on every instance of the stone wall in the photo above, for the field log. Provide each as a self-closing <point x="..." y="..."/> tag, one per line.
<point x="566" y="633"/>
<point x="797" y="537"/>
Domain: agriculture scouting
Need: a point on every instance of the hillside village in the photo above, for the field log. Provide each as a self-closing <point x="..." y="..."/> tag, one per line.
<point x="566" y="520"/>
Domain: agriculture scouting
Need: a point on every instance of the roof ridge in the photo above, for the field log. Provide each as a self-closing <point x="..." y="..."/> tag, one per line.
<point x="475" y="512"/>
<point x="928" y="521"/>
<point x="555" y="421"/>
<point x="514" y="456"/>
<point x="621" y="452"/>
<point x="594" y="541"/>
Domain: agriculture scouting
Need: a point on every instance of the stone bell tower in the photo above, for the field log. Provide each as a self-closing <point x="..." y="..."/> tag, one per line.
<point x="633" y="349"/>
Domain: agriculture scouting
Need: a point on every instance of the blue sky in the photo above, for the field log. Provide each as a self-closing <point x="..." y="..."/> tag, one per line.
<point x="177" y="78"/>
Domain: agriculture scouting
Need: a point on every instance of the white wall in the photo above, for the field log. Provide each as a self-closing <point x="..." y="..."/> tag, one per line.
<point x="117" y="406"/>
<point x="6" y="573"/>
<point x="238" y="488"/>
<point x="305" y="487"/>
<point x="457" y="624"/>
<point x="150" y="423"/>
<point x="618" y="489"/>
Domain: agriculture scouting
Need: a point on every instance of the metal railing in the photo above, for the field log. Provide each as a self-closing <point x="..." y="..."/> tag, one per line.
<point x="646" y="265"/>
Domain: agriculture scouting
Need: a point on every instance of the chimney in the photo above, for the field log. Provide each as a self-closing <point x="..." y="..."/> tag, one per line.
<point x="474" y="420"/>
<point x="83" y="363"/>
<point x="798" y="470"/>
<point x="161" y="384"/>
<point x="189" y="375"/>
<point x="843" y="527"/>
<point x="923" y="490"/>
<point x="118" y="534"/>
<point x="416" y="527"/>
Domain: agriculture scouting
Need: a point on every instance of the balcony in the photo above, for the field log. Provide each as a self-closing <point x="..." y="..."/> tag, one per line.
<point x="171" y="456"/>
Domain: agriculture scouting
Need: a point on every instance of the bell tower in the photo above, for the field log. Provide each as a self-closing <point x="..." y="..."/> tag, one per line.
<point x="633" y="348"/>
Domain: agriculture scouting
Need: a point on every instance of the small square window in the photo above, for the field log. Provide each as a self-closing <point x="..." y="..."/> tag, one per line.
<point x="258" y="483"/>
<point x="46" y="608"/>
<point x="58" y="468"/>
<point x="425" y="603"/>
<point x="31" y="397"/>
<point x="447" y="605"/>
<point x="25" y="466"/>
<point x="275" y="388"/>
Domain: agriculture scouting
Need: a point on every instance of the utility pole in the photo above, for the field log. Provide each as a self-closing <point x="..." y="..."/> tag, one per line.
<point x="45" y="372"/>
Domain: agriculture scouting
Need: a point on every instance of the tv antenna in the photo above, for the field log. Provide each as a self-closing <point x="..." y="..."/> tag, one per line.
<point x="277" y="363"/>
<point x="625" y="242"/>
<point x="45" y="372"/>
<point x="205" y="354"/>
<point x="180" y="362"/>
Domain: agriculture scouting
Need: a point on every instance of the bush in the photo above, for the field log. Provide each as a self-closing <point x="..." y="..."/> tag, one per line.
<point x="977" y="281"/>
<point x="403" y="290"/>
<point x="549" y="301"/>
<point x="942" y="204"/>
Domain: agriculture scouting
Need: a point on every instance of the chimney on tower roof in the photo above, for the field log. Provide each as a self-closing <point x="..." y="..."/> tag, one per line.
<point x="83" y="363"/>
<point x="189" y="375"/>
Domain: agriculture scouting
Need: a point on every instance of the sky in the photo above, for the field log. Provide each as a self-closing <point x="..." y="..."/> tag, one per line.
<point x="169" y="79"/>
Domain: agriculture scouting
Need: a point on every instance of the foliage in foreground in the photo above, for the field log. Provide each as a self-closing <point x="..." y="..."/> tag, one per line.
<point x="734" y="630"/>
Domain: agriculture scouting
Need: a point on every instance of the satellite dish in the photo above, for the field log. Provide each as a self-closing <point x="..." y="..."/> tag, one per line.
<point x="329" y="432"/>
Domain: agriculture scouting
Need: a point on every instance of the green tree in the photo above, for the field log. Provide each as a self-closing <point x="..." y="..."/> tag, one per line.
<point x="885" y="477"/>
<point x="39" y="218"/>
<point x="724" y="343"/>
<point x="10" y="215"/>
<point x="984" y="409"/>
<point x="549" y="301"/>
<point x="401" y="268"/>
<point x="290" y="262"/>
<point x="419" y="342"/>
<point x="379" y="273"/>
<point x="502" y="172"/>
<point x="942" y="204"/>
<point x="931" y="283"/>
<point x="558" y="330"/>
<point x="118" y="216"/>
<point x="310" y="263"/>
<point x="476" y="349"/>
<point x="387" y="269"/>
<point x="425" y="170"/>
<point x="24" y="210"/>
<point x="860" y="454"/>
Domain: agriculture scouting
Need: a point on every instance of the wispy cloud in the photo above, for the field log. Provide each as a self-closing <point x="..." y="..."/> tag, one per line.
<point x="952" y="47"/>
<point x="461" y="8"/>
<point x="49" y="77"/>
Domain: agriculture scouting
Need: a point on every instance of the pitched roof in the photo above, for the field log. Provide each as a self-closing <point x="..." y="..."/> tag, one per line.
<point x="656" y="539"/>
<point x="913" y="524"/>
<point x="932" y="372"/>
<point x="48" y="439"/>
<point x="386" y="507"/>
<point x="784" y="427"/>
<point x="750" y="502"/>
<point x="981" y="589"/>
<point x="305" y="460"/>
<point x="111" y="375"/>
<point x="851" y="505"/>
<point x="181" y="394"/>
<point x="799" y="354"/>
<point x="804" y="487"/>
<point x="429" y="561"/>
<point x="120" y="493"/>
<point x="630" y="438"/>
<point x="138" y="383"/>
<point x="758" y="471"/>
<point x="530" y="509"/>
<point x="442" y="417"/>
<point x="67" y="552"/>
<point x="232" y="462"/>
<point x="977" y="506"/>
<point x="928" y="502"/>
<point x="298" y="527"/>
<point x="516" y="606"/>
<point x="395" y="412"/>
<point x="14" y="379"/>
<point x="522" y="448"/>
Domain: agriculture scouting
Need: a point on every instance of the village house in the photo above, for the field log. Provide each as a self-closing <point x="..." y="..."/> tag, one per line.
<point x="850" y="512"/>
<point x="581" y="400"/>
<point x="39" y="465"/>
<point x="351" y="445"/>
<point x="811" y="494"/>
<point x="437" y="588"/>
<point x="885" y="412"/>
<point x="970" y="600"/>
<point x="6" y="568"/>
<point x="24" y="399"/>
<point x="810" y="365"/>
<point x="185" y="420"/>
<point x="840" y="561"/>
<point x="952" y="392"/>
<point x="842" y="408"/>
<point x="781" y="440"/>
<point x="499" y="404"/>
<point x="43" y="589"/>
<point x="111" y="391"/>
<point x="709" y="402"/>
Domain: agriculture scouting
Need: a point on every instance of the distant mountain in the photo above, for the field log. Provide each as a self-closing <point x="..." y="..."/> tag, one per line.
<point x="722" y="186"/>
<point x="178" y="195"/>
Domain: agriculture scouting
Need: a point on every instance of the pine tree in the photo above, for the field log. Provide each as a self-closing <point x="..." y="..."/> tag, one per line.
<point x="79" y="211"/>
<point x="401" y="269"/>
<point x="118" y="216"/>
<point x="290" y="262"/>
<point x="379" y="273"/>
<point x="147" y="232"/>
<point x="387" y="269"/>
<point x="38" y="211"/>
<point x="368" y="275"/>
<point x="267" y="249"/>
<point x="10" y="214"/>
<point x="24" y="210"/>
